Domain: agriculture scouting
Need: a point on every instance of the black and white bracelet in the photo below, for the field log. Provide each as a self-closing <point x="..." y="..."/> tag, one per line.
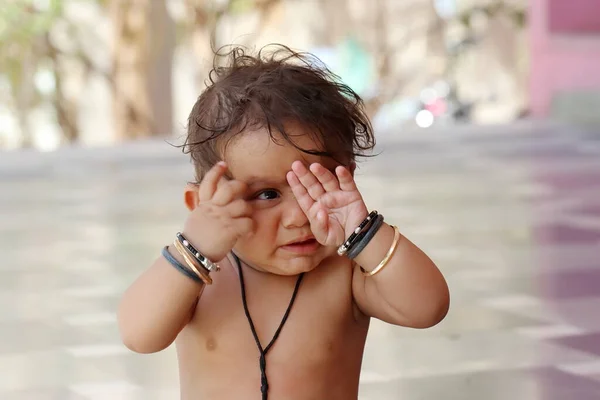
<point x="352" y="239"/>
<point x="205" y="262"/>
<point x="365" y="237"/>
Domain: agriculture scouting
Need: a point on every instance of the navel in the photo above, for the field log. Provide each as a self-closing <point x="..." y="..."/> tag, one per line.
<point x="211" y="344"/>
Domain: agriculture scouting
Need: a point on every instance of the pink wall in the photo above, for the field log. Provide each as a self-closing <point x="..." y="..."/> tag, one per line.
<point x="565" y="49"/>
<point x="574" y="16"/>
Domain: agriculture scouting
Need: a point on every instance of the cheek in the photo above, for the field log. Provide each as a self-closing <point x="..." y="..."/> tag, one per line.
<point x="266" y="223"/>
<point x="265" y="230"/>
<point x="259" y="247"/>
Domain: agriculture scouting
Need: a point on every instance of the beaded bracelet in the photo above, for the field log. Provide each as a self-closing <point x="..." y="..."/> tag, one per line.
<point x="205" y="262"/>
<point x="351" y="241"/>
<point x="365" y="237"/>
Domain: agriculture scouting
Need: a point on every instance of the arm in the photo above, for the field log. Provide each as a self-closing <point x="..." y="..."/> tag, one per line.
<point x="162" y="300"/>
<point x="409" y="291"/>
<point x="157" y="306"/>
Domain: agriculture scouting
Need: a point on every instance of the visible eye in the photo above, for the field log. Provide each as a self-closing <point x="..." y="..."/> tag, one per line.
<point x="268" y="194"/>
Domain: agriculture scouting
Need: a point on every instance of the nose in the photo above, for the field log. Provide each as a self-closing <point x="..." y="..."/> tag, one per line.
<point x="293" y="216"/>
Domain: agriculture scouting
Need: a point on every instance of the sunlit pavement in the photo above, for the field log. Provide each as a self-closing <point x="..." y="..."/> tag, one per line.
<point x="511" y="215"/>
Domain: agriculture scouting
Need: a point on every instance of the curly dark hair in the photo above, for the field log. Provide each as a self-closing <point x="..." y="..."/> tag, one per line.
<point x="268" y="90"/>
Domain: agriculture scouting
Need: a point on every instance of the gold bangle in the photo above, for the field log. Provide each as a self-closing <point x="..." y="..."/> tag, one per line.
<point x="387" y="257"/>
<point x="192" y="263"/>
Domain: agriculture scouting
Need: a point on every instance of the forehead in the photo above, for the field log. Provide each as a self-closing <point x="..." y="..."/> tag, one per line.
<point x="255" y="156"/>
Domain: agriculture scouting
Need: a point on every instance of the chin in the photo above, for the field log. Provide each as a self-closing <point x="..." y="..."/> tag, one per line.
<point x="294" y="266"/>
<point x="286" y="264"/>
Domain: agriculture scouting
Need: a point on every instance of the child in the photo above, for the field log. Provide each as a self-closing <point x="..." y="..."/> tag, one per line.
<point x="303" y="263"/>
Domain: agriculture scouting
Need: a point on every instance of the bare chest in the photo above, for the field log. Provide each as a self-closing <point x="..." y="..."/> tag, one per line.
<point x="320" y="333"/>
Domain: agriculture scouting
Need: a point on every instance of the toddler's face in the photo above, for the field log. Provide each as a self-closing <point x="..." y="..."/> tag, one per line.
<point x="282" y="242"/>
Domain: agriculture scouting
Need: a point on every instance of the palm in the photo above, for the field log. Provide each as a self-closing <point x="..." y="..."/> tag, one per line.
<point x="332" y="204"/>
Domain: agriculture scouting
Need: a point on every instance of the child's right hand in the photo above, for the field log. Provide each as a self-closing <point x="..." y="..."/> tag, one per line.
<point x="221" y="215"/>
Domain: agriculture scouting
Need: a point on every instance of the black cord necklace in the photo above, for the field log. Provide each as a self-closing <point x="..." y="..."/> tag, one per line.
<point x="264" y="382"/>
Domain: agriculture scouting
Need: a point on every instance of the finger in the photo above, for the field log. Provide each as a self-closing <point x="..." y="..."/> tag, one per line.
<point x="346" y="179"/>
<point x="244" y="226"/>
<point x="302" y="197"/>
<point x="227" y="191"/>
<point x="320" y="225"/>
<point x="308" y="180"/>
<point x="325" y="177"/>
<point x="208" y="186"/>
<point x="239" y="208"/>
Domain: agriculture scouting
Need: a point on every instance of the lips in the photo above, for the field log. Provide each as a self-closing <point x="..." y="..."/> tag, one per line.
<point x="304" y="245"/>
<point x="302" y="240"/>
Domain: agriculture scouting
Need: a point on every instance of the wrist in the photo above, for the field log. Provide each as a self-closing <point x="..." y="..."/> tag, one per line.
<point x="200" y="244"/>
<point x="355" y="217"/>
<point x="184" y="266"/>
<point x="377" y="248"/>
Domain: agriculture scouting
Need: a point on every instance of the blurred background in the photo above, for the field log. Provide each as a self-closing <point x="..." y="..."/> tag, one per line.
<point x="103" y="71"/>
<point x="100" y="72"/>
<point x="487" y="116"/>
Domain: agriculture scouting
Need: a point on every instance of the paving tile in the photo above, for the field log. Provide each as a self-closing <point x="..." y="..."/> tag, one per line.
<point x="511" y="216"/>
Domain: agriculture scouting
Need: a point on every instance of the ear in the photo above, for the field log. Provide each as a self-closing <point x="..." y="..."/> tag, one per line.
<point x="352" y="168"/>
<point x="190" y="196"/>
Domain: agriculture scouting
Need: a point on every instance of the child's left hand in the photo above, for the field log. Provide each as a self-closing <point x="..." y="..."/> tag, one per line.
<point x="333" y="205"/>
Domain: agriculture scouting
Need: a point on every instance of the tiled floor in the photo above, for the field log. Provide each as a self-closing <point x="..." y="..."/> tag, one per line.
<point x="511" y="215"/>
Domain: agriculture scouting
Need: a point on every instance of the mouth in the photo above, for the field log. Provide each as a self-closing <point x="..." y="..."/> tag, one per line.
<point x="303" y="246"/>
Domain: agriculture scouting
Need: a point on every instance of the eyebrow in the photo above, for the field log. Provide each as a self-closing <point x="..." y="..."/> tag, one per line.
<point x="254" y="180"/>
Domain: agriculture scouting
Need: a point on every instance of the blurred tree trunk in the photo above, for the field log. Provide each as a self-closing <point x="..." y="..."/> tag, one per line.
<point x="203" y="36"/>
<point x="160" y="74"/>
<point x="397" y="30"/>
<point x="382" y="54"/>
<point x="142" y="60"/>
<point x="204" y="20"/>
<point x="338" y="21"/>
<point x="23" y="94"/>
<point x="65" y="108"/>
